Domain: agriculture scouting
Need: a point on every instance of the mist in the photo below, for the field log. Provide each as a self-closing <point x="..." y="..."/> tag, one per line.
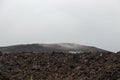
<point x="86" y="22"/>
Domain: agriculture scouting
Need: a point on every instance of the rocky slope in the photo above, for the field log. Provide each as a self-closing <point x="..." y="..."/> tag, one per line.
<point x="60" y="47"/>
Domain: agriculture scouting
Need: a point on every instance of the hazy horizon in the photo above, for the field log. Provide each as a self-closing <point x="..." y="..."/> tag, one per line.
<point x="87" y="22"/>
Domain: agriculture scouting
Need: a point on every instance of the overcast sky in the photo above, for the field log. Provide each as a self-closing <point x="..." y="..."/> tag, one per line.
<point x="87" y="22"/>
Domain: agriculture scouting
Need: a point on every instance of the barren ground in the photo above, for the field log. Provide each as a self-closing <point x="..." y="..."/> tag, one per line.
<point x="60" y="66"/>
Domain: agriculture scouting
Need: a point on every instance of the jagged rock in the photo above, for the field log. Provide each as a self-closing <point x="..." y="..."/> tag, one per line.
<point x="60" y="66"/>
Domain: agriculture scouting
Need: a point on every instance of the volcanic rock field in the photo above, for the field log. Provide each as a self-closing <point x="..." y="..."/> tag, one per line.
<point x="60" y="66"/>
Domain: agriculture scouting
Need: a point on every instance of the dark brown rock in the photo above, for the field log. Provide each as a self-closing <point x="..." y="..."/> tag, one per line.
<point x="60" y="66"/>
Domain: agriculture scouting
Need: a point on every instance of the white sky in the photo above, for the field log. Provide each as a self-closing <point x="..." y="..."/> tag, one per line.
<point x="88" y="22"/>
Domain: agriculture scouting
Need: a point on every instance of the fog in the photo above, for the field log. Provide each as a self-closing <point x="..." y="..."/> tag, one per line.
<point x="87" y="22"/>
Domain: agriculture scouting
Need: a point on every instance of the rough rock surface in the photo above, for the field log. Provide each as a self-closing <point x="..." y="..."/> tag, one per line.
<point x="60" y="66"/>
